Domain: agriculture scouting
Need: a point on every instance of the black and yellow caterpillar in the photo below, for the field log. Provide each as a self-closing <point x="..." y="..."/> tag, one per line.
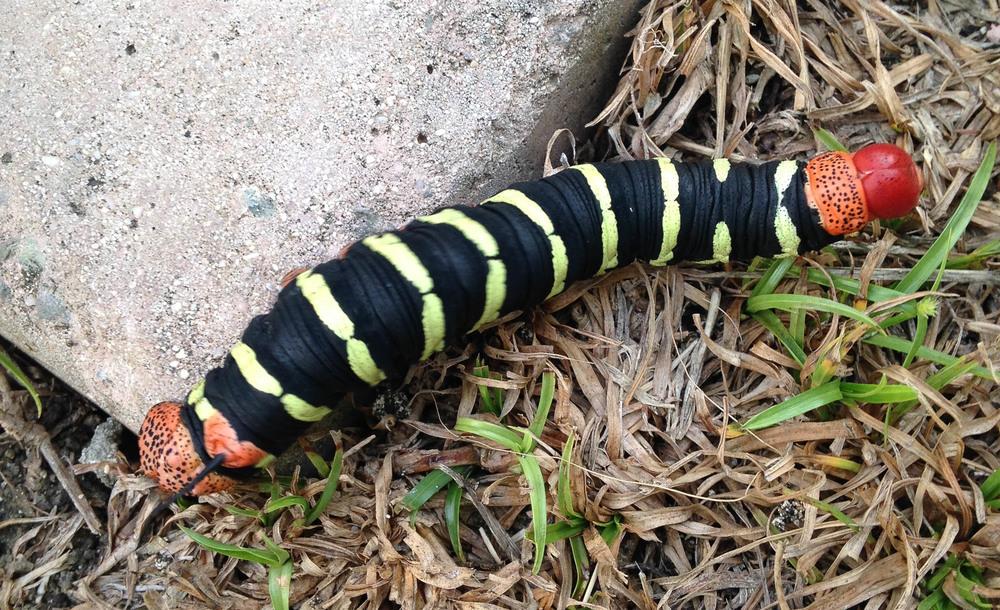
<point x="394" y="299"/>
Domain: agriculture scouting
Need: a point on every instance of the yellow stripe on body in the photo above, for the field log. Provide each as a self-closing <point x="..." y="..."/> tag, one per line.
<point x="329" y="311"/>
<point x="560" y="260"/>
<point x="302" y="410"/>
<point x="259" y="379"/>
<point x="670" y="186"/>
<point x="609" y="223"/>
<point x="483" y="240"/>
<point x="722" y="167"/>
<point x="202" y="408"/>
<point x="722" y="243"/>
<point x="253" y="371"/>
<point x="400" y="256"/>
<point x="196" y="393"/>
<point x="784" y="228"/>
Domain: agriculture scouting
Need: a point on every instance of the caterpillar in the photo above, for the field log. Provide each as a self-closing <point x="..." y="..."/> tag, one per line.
<point x="396" y="298"/>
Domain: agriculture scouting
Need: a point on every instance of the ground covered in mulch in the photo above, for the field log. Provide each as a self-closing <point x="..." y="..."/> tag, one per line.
<point x="857" y="502"/>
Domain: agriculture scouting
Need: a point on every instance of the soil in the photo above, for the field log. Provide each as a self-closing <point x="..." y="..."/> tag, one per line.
<point x="35" y="510"/>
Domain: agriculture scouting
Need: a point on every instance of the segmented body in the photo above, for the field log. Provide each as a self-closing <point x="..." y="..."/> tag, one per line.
<point x="394" y="299"/>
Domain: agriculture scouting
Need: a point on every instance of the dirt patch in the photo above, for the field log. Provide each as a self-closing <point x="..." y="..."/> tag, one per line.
<point x="45" y="546"/>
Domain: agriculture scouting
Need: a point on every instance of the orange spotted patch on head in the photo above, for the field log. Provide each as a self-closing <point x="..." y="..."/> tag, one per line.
<point x="167" y="454"/>
<point x="221" y="438"/>
<point x="834" y="189"/>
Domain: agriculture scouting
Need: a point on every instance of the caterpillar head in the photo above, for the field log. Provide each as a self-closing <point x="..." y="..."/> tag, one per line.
<point x="167" y="453"/>
<point x="848" y="191"/>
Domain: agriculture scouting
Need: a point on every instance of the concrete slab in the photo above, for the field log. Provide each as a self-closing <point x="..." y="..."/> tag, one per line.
<point x="162" y="164"/>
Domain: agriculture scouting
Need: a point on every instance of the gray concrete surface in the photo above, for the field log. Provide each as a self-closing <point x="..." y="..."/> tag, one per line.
<point x="163" y="164"/>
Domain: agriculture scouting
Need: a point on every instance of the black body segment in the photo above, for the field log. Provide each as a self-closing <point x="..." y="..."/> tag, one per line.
<point x="396" y="298"/>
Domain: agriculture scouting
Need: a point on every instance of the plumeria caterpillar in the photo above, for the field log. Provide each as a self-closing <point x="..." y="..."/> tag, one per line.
<point x="394" y="299"/>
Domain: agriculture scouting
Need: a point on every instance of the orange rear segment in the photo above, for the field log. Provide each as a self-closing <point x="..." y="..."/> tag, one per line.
<point x="835" y="190"/>
<point x="221" y="438"/>
<point x="167" y="454"/>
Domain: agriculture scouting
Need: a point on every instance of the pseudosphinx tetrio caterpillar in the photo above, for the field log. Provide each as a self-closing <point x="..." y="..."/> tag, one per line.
<point x="396" y="298"/>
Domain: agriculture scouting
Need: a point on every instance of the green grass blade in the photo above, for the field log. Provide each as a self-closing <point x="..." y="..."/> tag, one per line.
<point x="937" y="579"/>
<point x="851" y="286"/>
<point x="279" y="585"/>
<point x="506" y="437"/>
<point x="609" y="532"/>
<point x="269" y="558"/>
<point x="797" y="326"/>
<point x="771" y="321"/>
<point x="544" y="404"/>
<point x="282" y="503"/>
<point x="950" y="372"/>
<point x="279" y="552"/>
<point x="991" y="486"/>
<point x="581" y="563"/>
<point x="827" y="139"/>
<point x="491" y="398"/>
<point x="242" y="512"/>
<point x="772" y="277"/>
<point x="833" y="510"/>
<point x="881" y="393"/>
<point x="918" y="340"/>
<point x="935" y="601"/>
<point x="423" y="491"/>
<point x="966" y="583"/>
<point x="15" y="371"/>
<point x="452" y="512"/>
<point x="539" y="511"/>
<point x="317" y="461"/>
<point x="267" y="519"/>
<point x="797" y="405"/>
<point x="564" y="491"/>
<point x="902" y="346"/>
<point x="976" y="258"/>
<point x="563" y="529"/>
<point x="937" y="254"/>
<point x="795" y="302"/>
<point x="874" y="292"/>
<point x="333" y="476"/>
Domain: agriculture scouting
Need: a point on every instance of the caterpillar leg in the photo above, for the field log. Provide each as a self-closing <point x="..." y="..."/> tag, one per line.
<point x="168" y="455"/>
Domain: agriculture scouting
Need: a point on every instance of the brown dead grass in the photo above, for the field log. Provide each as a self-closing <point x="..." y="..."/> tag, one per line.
<point x="654" y="366"/>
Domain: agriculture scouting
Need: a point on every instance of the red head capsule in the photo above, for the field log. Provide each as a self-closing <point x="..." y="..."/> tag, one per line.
<point x="890" y="180"/>
<point x="168" y="456"/>
<point x="848" y="191"/>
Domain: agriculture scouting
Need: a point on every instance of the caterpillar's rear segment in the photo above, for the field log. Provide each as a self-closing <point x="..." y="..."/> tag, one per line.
<point x="168" y="455"/>
<point x="849" y="191"/>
